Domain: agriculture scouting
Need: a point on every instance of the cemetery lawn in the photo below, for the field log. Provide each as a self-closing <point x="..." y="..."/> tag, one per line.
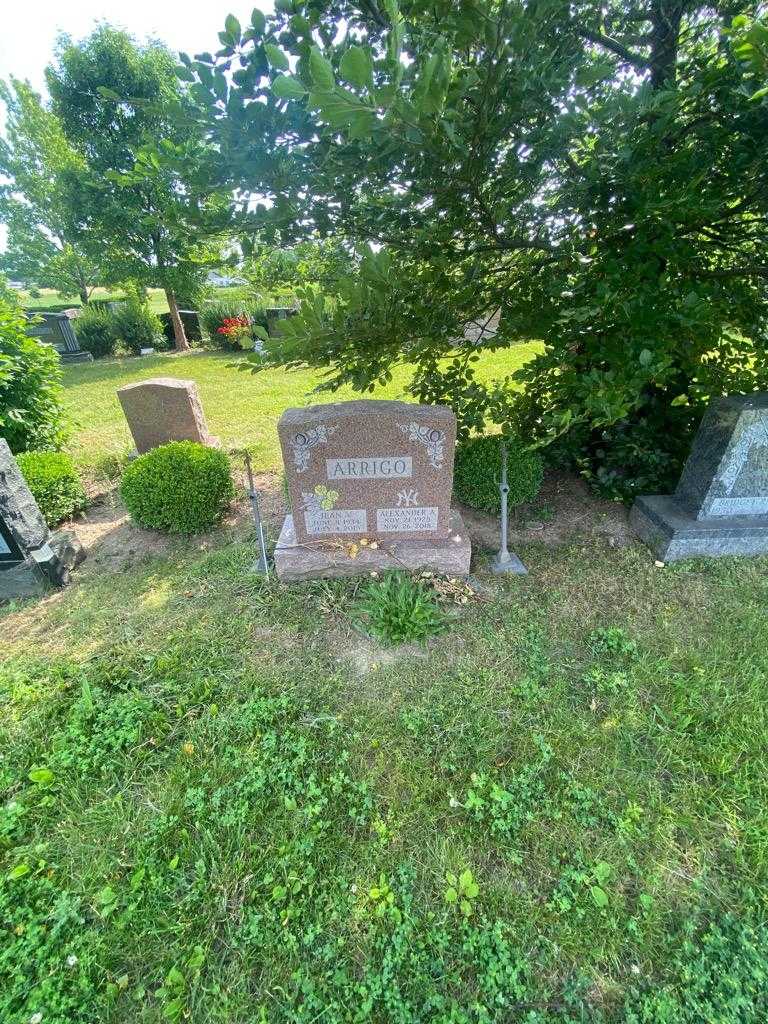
<point x="241" y="408"/>
<point x="221" y="807"/>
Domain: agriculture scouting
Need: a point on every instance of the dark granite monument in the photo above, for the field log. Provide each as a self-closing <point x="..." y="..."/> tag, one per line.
<point x="56" y="329"/>
<point x="720" y="506"/>
<point x="373" y="476"/>
<point x="30" y="556"/>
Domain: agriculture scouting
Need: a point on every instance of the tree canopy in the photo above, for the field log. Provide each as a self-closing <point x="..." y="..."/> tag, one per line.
<point x="41" y="169"/>
<point x="142" y="201"/>
<point x="598" y="173"/>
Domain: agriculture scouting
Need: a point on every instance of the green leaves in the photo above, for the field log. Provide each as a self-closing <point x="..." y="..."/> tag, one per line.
<point x="232" y="28"/>
<point x="356" y="67"/>
<point x="18" y="872"/>
<point x="321" y="70"/>
<point x="462" y="889"/>
<point x="259" y="21"/>
<point x="286" y="87"/>
<point x="276" y="57"/>
<point x="41" y="776"/>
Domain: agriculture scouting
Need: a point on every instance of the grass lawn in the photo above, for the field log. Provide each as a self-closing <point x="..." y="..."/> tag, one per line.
<point x="211" y="816"/>
<point x="241" y="408"/>
<point x="222" y="805"/>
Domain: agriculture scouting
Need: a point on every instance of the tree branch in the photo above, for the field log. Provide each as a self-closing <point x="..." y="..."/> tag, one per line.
<point x="608" y="43"/>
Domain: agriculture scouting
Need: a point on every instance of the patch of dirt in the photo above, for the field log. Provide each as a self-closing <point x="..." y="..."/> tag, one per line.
<point x="365" y="656"/>
<point x="113" y="542"/>
<point x="564" y="509"/>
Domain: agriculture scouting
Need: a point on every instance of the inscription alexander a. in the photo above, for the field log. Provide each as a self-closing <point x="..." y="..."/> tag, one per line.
<point x="389" y="467"/>
<point x="406" y="520"/>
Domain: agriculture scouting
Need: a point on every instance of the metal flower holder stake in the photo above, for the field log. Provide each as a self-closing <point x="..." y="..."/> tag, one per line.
<point x="505" y="561"/>
<point x="261" y="564"/>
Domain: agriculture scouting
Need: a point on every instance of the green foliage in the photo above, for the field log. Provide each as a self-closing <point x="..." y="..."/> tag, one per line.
<point x="398" y="609"/>
<point x="182" y="487"/>
<point x="135" y="326"/>
<point x="477" y="472"/>
<point x="131" y="326"/>
<point x="718" y="974"/>
<point x="93" y="328"/>
<point x="213" y="313"/>
<point x="30" y="384"/>
<point x="144" y="206"/>
<point x="207" y="806"/>
<point x="42" y="168"/>
<point x="275" y="271"/>
<point x="544" y="160"/>
<point x="54" y="482"/>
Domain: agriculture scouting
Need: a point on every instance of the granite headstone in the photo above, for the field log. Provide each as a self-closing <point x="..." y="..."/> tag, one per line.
<point x="720" y="506"/>
<point x="55" y="329"/>
<point x="164" y="409"/>
<point x="29" y="553"/>
<point x="370" y="470"/>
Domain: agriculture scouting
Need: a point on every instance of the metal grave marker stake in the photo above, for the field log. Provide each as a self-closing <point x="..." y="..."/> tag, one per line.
<point x="506" y="561"/>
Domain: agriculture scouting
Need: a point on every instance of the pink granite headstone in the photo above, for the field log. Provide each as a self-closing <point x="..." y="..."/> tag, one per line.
<point x="369" y="468"/>
<point x="164" y="409"/>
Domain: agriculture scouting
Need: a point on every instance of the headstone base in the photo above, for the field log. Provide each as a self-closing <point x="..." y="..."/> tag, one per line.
<point x="76" y="357"/>
<point x="672" y="533"/>
<point x="47" y="566"/>
<point x="296" y="562"/>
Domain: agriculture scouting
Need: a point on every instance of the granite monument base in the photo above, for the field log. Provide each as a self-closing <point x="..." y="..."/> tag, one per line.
<point x="673" y="533"/>
<point x="48" y="566"/>
<point x="295" y="562"/>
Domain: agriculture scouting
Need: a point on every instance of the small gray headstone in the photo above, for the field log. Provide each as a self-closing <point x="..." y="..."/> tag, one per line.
<point x="720" y="506"/>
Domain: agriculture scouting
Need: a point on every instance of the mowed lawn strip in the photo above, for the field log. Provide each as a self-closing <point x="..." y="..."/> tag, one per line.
<point x="240" y="407"/>
<point x="220" y="820"/>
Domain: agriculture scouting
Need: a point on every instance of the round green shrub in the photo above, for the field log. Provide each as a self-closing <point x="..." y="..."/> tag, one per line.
<point x="182" y="487"/>
<point x="93" y="328"/>
<point x="52" y="478"/>
<point x="31" y="414"/>
<point x="135" y="326"/>
<point x="478" y="469"/>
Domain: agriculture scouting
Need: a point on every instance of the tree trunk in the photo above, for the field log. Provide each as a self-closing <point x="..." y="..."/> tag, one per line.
<point x="84" y="295"/>
<point x="180" y="337"/>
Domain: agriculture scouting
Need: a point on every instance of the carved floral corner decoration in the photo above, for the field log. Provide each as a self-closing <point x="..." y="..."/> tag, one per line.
<point x="432" y="439"/>
<point x="305" y="440"/>
<point x="322" y="499"/>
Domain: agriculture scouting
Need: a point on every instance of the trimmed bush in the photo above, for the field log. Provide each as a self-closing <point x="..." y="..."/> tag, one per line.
<point x="131" y="326"/>
<point x="134" y="327"/>
<point x="94" y="331"/>
<point x="52" y="478"/>
<point x="478" y="469"/>
<point x="30" y="384"/>
<point x="181" y="487"/>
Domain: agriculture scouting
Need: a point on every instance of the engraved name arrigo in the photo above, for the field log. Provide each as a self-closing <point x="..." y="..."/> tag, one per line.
<point x="371" y="468"/>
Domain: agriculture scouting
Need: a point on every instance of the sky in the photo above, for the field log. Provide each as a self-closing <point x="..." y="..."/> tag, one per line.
<point x="29" y="29"/>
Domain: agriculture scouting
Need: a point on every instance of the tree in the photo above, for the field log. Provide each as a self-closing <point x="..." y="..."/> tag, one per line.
<point x="40" y="166"/>
<point x="598" y="172"/>
<point x="30" y="382"/>
<point x="143" y="203"/>
<point x="320" y="262"/>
